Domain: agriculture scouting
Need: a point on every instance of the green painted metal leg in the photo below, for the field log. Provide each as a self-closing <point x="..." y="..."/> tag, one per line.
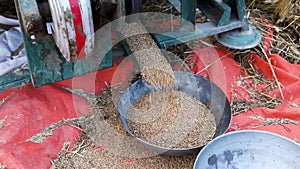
<point x="241" y="12"/>
<point x="188" y="14"/>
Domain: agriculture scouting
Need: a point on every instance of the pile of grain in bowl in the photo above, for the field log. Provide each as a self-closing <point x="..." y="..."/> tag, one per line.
<point x="171" y="119"/>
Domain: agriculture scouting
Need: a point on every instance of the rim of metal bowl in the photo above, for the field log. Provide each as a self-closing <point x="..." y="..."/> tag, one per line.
<point x="241" y="132"/>
<point x="164" y="150"/>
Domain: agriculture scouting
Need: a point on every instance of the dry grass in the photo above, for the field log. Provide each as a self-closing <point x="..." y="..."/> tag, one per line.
<point x="251" y="81"/>
<point x="284" y="42"/>
<point x="2" y="101"/>
<point x="64" y="159"/>
<point x="285" y="11"/>
<point x="273" y="121"/>
<point x="284" y="18"/>
<point x="288" y="12"/>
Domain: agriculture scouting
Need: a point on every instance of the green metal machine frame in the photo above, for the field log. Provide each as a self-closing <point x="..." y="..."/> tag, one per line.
<point x="225" y="16"/>
<point x="47" y="65"/>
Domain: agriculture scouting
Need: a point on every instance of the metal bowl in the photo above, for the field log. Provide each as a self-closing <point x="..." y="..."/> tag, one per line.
<point x="194" y="85"/>
<point x="249" y="149"/>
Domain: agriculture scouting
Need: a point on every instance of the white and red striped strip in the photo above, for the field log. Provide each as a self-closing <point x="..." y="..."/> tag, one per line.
<point x="73" y="27"/>
<point x="88" y="24"/>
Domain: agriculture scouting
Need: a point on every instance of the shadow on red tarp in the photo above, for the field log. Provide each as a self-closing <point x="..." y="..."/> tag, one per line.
<point x="27" y="110"/>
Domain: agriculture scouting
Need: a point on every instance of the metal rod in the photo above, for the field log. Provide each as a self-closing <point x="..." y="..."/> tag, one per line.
<point x="201" y="31"/>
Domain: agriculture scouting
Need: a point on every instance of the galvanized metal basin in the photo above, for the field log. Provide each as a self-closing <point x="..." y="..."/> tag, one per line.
<point x="194" y="85"/>
<point x="249" y="149"/>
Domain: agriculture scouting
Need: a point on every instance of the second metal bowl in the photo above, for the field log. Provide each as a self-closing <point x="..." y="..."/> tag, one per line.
<point x="249" y="149"/>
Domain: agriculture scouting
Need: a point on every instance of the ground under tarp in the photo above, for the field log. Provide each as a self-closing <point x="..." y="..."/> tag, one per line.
<point x="26" y="111"/>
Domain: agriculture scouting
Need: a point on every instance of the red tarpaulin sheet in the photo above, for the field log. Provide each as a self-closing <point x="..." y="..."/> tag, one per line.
<point x="27" y="110"/>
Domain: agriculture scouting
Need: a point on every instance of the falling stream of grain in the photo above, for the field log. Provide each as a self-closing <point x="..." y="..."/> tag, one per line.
<point x="154" y="67"/>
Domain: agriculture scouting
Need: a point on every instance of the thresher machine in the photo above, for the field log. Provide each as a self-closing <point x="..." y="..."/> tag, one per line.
<point x="60" y="40"/>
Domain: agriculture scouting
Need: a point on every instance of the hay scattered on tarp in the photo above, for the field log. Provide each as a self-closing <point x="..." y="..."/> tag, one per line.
<point x="48" y="131"/>
<point x="269" y="121"/>
<point x="285" y="19"/>
<point x="251" y="81"/>
<point x="285" y="11"/>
